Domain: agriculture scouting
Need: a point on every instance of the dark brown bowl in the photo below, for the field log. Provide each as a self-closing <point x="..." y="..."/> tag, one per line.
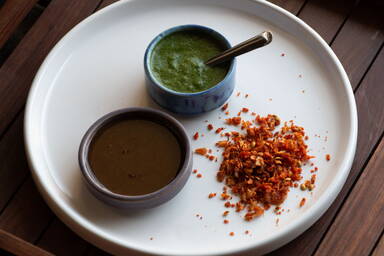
<point x="141" y="201"/>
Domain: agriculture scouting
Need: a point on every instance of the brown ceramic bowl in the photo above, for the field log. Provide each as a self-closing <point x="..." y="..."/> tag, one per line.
<point x="140" y="201"/>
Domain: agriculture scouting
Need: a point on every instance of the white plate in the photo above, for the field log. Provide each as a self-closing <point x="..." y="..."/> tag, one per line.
<point x="98" y="67"/>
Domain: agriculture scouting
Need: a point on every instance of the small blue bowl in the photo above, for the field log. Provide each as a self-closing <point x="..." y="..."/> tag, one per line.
<point x="189" y="103"/>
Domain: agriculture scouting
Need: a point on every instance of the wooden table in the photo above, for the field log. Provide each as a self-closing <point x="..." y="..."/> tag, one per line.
<point x="354" y="223"/>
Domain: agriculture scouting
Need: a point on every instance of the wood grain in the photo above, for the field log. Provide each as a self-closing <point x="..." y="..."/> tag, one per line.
<point x="105" y="3"/>
<point x="379" y="250"/>
<point x="13" y="164"/>
<point x="18" y="246"/>
<point x="19" y="69"/>
<point x="360" y="221"/>
<point x="371" y="126"/>
<point x="60" y="240"/>
<point x="12" y="14"/>
<point x="27" y="215"/>
<point x="359" y="40"/>
<point x="292" y="6"/>
<point x="326" y="16"/>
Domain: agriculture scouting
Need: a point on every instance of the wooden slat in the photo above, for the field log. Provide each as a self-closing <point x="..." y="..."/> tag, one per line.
<point x="361" y="219"/>
<point x="105" y="3"/>
<point x="292" y="6"/>
<point x="326" y="16"/>
<point x="360" y="39"/>
<point x="27" y="215"/>
<point x="60" y="240"/>
<point x="13" y="164"/>
<point x="19" y="69"/>
<point x="11" y="15"/>
<point x="18" y="246"/>
<point x="371" y="126"/>
<point x="379" y="250"/>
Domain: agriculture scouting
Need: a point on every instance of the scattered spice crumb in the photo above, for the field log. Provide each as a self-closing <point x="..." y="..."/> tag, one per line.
<point x="227" y="113"/>
<point x="211" y="158"/>
<point x="151" y="238"/>
<point x="218" y="130"/>
<point x="282" y="55"/>
<point x="270" y="99"/>
<point x="195" y="171"/>
<point x="246" y="232"/>
<point x="201" y="151"/>
<point x="224" y="107"/>
<point x="303" y="91"/>
<point x="239" y="113"/>
<point x="328" y="157"/>
<point x="196" y="136"/>
<point x="246" y="95"/>
<point x="225" y="213"/>
<point x="210" y="127"/>
<point x="231" y="233"/>
<point x="238" y="94"/>
<point x="211" y="195"/>
<point x="244" y="110"/>
<point x="199" y="175"/>
<point x="253" y="113"/>
<point x="226" y="221"/>
<point x="209" y="150"/>
<point x="302" y="202"/>
<point x="300" y="76"/>
<point x="227" y="204"/>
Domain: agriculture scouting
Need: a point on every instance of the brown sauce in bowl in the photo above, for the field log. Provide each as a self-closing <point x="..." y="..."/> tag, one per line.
<point x="134" y="157"/>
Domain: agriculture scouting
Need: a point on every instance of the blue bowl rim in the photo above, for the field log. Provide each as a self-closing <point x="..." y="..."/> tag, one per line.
<point x="88" y="137"/>
<point x="186" y="27"/>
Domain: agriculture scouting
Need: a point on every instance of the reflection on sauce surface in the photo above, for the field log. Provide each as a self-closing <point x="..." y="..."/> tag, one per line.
<point x="134" y="157"/>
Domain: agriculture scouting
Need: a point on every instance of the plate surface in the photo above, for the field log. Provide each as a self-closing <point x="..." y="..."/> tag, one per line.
<point x="98" y="67"/>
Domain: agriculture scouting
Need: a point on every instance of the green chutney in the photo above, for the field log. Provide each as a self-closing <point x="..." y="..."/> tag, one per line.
<point x="177" y="61"/>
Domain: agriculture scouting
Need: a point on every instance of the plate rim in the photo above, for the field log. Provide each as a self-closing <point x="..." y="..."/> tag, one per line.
<point x="103" y="240"/>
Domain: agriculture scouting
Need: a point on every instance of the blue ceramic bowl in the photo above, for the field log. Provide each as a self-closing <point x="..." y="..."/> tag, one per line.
<point x="189" y="103"/>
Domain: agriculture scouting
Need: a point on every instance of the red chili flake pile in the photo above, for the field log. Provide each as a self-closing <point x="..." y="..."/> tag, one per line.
<point x="260" y="165"/>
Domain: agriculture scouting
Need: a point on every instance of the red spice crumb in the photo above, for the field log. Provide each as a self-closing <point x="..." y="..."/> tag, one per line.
<point x="225" y="213"/>
<point x="197" y="215"/>
<point x="196" y="136"/>
<point x="295" y="185"/>
<point x="245" y="110"/>
<point x="312" y="164"/>
<point x="227" y="204"/>
<point x="227" y="113"/>
<point x="246" y="95"/>
<point x="224" y="107"/>
<point x="210" y="127"/>
<point x="199" y="175"/>
<point x="151" y="238"/>
<point x="302" y="202"/>
<point x="233" y="121"/>
<point x="195" y="171"/>
<point x="313" y="178"/>
<point x="226" y="221"/>
<point x="211" y="158"/>
<point x="209" y="150"/>
<point x="282" y="55"/>
<point x="306" y="137"/>
<point x="202" y="135"/>
<point x="233" y="205"/>
<point x="201" y="151"/>
<point x="253" y="113"/>
<point x="231" y="234"/>
<point x="328" y="157"/>
<point x="316" y="168"/>
<point x="239" y="113"/>
<point x="211" y="195"/>
<point x="238" y="94"/>
<point x="246" y="232"/>
<point x="218" y="130"/>
<point x="225" y="196"/>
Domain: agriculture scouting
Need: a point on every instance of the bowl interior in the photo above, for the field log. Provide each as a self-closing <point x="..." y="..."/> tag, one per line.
<point x="128" y="114"/>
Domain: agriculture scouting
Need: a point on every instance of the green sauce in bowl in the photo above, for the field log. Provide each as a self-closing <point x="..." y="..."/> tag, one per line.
<point x="177" y="61"/>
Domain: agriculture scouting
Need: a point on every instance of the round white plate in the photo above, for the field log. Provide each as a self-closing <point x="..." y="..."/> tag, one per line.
<point x="98" y="67"/>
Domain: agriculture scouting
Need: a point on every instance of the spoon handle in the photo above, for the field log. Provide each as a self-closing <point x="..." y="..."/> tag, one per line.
<point x="258" y="41"/>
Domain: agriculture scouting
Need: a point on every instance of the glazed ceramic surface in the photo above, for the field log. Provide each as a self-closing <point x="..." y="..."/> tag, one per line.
<point x="98" y="67"/>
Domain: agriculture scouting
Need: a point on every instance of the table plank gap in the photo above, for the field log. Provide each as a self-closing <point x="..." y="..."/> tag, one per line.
<point x="326" y="16"/>
<point x="359" y="41"/>
<point x="379" y="247"/>
<point x="57" y="235"/>
<point x="32" y="50"/>
<point x="11" y="15"/>
<point x="347" y="231"/>
<point x="19" y="32"/>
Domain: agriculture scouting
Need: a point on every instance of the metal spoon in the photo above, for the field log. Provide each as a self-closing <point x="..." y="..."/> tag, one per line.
<point x="258" y="41"/>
